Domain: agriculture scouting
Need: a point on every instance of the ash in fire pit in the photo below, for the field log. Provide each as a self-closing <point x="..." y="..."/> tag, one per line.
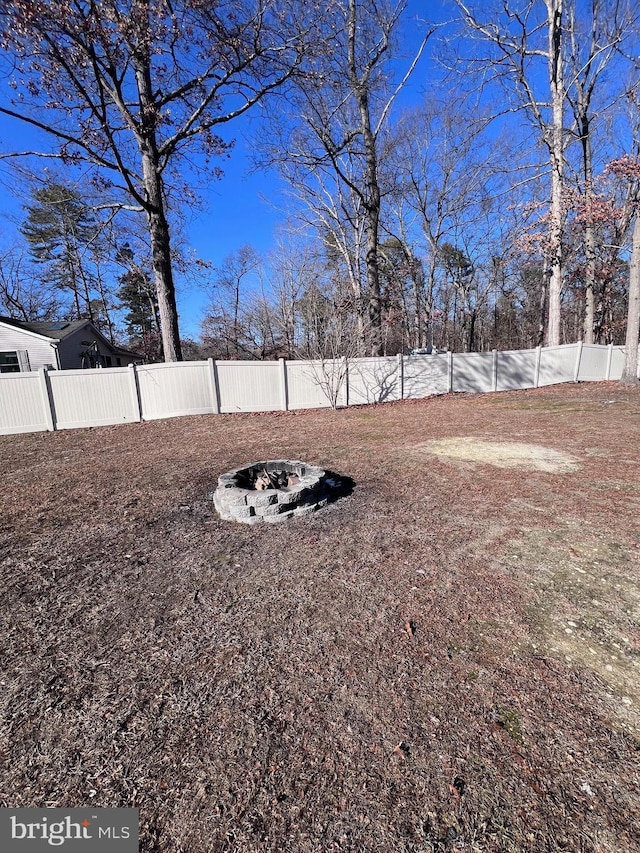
<point x="275" y="491"/>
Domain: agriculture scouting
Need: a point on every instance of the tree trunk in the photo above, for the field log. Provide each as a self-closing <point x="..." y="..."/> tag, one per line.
<point x="360" y="305"/>
<point x="105" y="307"/>
<point x="471" y="325"/>
<point x="589" y="235"/>
<point x="371" y="191"/>
<point x="163" y="274"/>
<point x="589" y="283"/>
<point x="415" y="329"/>
<point x="542" y="306"/>
<point x="416" y="338"/>
<point x="85" y="283"/>
<point x="373" y="282"/>
<point x="156" y="213"/>
<point x="554" y="8"/>
<point x="68" y="246"/>
<point x="630" y="369"/>
<point x="431" y="284"/>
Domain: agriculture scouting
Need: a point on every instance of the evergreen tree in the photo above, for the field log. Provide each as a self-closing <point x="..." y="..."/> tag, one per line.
<point x="60" y="230"/>
<point x="137" y="295"/>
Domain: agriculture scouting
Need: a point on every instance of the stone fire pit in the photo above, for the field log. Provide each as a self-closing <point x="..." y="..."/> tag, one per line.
<point x="272" y="491"/>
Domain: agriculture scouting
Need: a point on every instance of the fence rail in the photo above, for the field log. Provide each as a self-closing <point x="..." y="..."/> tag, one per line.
<point x="66" y="399"/>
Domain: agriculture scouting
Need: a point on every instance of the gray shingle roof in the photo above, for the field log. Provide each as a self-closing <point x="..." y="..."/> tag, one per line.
<point x="52" y="329"/>
<point x="57" y="330"/>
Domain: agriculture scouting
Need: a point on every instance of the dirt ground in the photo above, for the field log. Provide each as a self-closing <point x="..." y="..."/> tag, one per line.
<point x="448" y="659"/>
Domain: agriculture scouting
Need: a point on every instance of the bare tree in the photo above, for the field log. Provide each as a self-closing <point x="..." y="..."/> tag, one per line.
<point x="518" y="38"/>
<point x="21" y="296"/>
<point x="330" y="342"/>
<point x="294" y="267"/>
<point x="334" y="212"/>
<point x="596" y="37"/>
<point x="336" y="119"/>
<point x="443" y="172"/>
<point x="128" y="87"/>
<point x="232" y="291"/>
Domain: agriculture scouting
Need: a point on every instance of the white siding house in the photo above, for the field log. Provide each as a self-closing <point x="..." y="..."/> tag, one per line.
<point x="70" y="345"/>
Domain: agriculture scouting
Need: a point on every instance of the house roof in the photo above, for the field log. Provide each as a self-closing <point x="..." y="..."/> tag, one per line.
<point x="55" y="331"/>
<point x="58" y="330"/>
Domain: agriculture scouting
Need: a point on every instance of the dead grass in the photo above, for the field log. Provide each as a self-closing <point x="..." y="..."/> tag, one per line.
<point x="258" y="689"/>
<point x="503" y="454"/>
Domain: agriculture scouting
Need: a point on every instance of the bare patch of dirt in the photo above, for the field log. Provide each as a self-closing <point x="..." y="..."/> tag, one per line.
<point x="446" y="660"/>
<point x="504" y="454"/>
<point x="588" y="607"/>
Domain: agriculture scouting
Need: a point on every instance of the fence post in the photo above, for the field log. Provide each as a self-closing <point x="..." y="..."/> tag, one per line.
<point x="609" y="361"/>
<point x="495" y="371"/>
<point x="576" y="372"/>
<point x="214" y="385"/>
<point x="47" y="399"/>
<point x="135" y="391"/>
<point x="346" y="381"/>
<point x="401" y="375"/>
<point x="536" y="372"/>
<point x="284" y="388"/>
<point x="450" y="371"/>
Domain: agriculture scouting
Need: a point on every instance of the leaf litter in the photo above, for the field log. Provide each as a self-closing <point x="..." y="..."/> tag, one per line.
<point x="394" y="672"/>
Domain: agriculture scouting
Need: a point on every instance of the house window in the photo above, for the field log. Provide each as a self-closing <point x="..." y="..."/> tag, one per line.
<point x="107" y="361"/>
<point x="15" y="362"/>
<point x="9" y="362"/>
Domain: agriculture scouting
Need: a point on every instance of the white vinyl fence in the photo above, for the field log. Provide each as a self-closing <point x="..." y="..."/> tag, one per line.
<point x="64" y="399"/>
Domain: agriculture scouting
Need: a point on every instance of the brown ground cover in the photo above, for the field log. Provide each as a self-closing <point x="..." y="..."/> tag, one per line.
<point x="445" y="660"/>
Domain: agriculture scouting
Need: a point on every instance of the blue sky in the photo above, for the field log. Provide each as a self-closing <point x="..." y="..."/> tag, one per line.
<point x="245" y="207"/>
<point x="239" y="208"/>
<point x="231" y="213"/>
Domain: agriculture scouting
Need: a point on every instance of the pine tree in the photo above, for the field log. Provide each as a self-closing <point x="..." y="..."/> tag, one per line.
<point x="60" y="229"/>
<point x="137" y="295"/>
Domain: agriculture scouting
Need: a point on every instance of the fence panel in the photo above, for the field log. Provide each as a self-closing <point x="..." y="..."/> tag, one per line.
<point x="473" y="371"/>
<point x="516" y="370"/>
<point x="593" y="363"/>
<point x="425" y="375"/>
<point x="557" y="364"/>
<point x="373" y="380"/>
<point x="617" y="363"/>
<point x="83" y="398"/>
<point x="312" y="383"/>
<point x="22" y="403"/>
<point x="176" y="388"/>
<point x="250" y="386"/>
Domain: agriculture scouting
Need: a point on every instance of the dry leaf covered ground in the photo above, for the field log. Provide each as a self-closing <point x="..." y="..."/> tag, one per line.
<point x="447" y="659"/>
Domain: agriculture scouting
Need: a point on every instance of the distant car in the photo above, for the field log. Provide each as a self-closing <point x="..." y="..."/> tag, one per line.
<point x="426" y="351"/>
